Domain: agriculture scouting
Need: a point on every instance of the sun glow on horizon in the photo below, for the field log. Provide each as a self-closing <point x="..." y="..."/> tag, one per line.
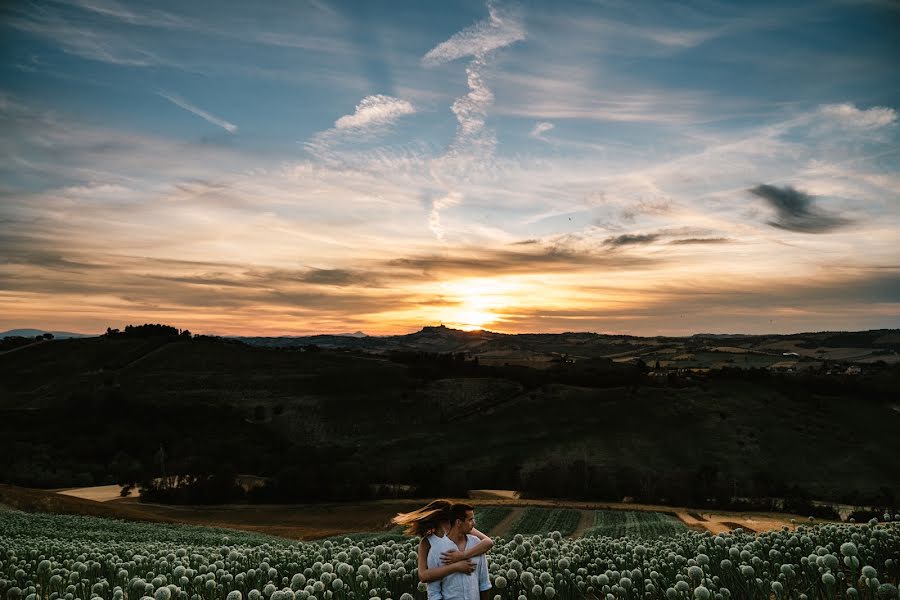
<point x="477" y="302"/>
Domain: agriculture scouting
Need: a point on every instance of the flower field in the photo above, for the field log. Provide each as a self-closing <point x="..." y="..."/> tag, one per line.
<point x="47" y="557"/>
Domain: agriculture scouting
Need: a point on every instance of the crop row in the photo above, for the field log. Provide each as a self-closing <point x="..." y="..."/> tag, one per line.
<point x="486" y="518"/>
<point x="642" y="524"/>
<point x="46" y="557"/>
<point x="544" y="520"/>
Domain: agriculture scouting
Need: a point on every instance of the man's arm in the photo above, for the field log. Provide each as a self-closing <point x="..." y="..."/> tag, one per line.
<point x="433" y="576"/>
<point x="484" y="545"/>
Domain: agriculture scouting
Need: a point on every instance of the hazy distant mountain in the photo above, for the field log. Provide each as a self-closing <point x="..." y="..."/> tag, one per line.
<point x="35" y="332"/>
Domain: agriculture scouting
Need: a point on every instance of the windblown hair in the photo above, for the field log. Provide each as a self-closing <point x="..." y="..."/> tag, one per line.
<point x="425" y="520"/>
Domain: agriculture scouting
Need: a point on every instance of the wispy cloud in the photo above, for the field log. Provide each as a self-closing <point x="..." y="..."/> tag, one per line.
<point x="115" y="10"/>
<point x="211" y="118"/>
<point x="434" y="217"/>
<point x="795" y="210"/>
<point x="476" y="40"/>
<point x="695" y="241"/>
<point x="343" y="143"/>
<point x="92" y="43"/>
<point x="375" y="111"/>
<point x="630" y="239"/>
<point x="540" y="129"/>
<point x="473" y="143"/>
<point x="848" y="114"/>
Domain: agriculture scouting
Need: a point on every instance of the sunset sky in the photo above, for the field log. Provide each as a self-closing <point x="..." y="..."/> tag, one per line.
<point x="312" y="166"/>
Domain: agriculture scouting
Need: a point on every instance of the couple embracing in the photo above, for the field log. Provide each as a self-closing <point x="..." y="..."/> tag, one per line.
<point x="452" y="561"/>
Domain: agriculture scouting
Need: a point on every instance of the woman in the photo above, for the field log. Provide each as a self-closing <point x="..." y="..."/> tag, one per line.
<point x="438" y="556"/>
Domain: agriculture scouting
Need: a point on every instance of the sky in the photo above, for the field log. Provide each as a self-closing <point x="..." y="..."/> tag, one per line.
<point x="314" y="166"/>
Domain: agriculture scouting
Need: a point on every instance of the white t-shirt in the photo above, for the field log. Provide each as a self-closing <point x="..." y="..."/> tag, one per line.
<point x="456" y="586"/>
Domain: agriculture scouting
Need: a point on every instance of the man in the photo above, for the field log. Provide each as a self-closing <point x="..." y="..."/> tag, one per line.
<point x="463" y="586"/>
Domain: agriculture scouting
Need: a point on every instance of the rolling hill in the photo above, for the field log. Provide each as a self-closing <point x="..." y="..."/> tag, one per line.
<point x="327" y="423"/>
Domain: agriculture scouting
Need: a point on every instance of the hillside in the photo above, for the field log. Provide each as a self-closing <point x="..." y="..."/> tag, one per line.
<point x="330" y="424"/>
<point x="802" y="350"/>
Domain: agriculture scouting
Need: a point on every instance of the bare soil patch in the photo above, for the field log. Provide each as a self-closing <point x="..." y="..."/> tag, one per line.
<point x="97" y="493"/>
<point x="586" y="521"/>
<point x="32" y="500"/>
<point x="306" y="521"/>
<point x="733" y="525"/>
<point x="493" y="494"/>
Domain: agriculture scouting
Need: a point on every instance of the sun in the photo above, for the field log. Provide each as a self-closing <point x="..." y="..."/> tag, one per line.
<point x="477" y="302"/>
<point x="472" y="320"/>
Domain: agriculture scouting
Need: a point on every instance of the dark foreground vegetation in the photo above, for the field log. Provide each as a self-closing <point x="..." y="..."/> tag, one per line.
<point x="180" y="416"/>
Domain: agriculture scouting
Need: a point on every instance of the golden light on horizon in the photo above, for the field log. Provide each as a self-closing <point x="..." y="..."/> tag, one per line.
<point x="477" y="302"/>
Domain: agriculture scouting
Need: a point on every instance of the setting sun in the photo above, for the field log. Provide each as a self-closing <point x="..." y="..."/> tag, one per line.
<point x="477" y="302"/>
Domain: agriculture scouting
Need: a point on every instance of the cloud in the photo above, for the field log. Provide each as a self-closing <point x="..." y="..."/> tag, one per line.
<point x="482" y="262"/>
<point x="540" y="129"/>
<point x="372" y="116"/>
<point x="473" y="144"/>
<point x="695" y="241"/>
<point x="182" y="103"/>
<point x="477" y="40"/>
<point x="91" y="43"/>
<point x="434" y="217"/>
<point x="150" y="18"/>
<point x="630" y="239"/>
<point x="795" y="210"/>
<point x="847" y="114"/>
<point x="335" y="277"/>
<point x="375" y="111"/>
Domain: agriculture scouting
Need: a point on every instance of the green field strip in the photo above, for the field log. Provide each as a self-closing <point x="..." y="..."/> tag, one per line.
<point x="643" y="524"/>
<point x="545" y="520"/>
<point x="488" y="517"/>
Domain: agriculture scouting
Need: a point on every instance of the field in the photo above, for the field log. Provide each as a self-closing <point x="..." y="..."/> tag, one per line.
<point x="51" y="557"/>
<point x="642" y="524"/>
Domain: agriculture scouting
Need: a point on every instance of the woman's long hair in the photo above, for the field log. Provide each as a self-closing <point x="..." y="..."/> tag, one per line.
<point x="425" y="520"/>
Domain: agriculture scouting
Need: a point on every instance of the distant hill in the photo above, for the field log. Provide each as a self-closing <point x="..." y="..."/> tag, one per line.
<point x="697" y="351"/>
<point x="30" y="333"/>
<point x="578" y="414"/>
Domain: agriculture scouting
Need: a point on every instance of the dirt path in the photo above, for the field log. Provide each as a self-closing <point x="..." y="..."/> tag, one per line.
<point x="502" y="528"/>
<point x="586" y="521"/>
